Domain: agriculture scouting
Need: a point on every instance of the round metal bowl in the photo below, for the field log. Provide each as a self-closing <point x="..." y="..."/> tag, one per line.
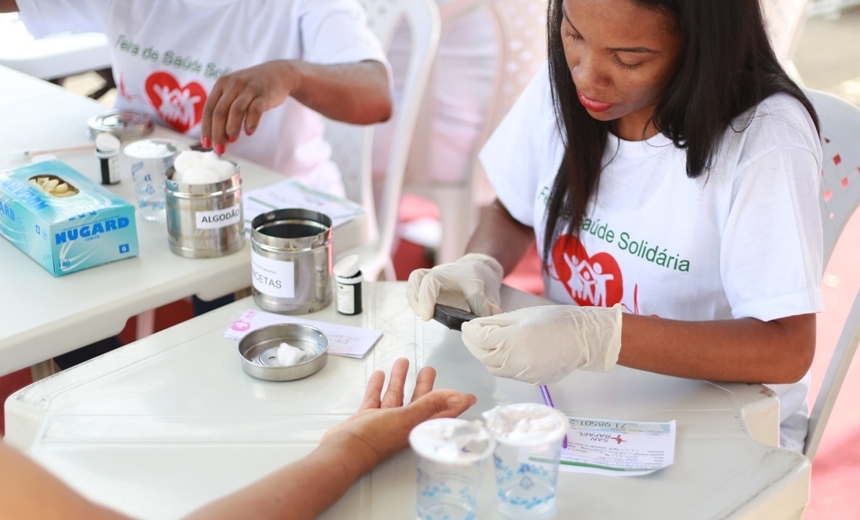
<point x="259" y="351"/>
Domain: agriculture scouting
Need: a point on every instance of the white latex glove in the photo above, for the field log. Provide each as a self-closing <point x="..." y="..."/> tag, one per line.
<point x="472" y="282"/>
<point x="542" y="345"/>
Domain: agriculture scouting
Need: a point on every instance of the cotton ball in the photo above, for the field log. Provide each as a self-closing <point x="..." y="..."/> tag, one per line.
<point x="209" y="158"/>
<point x="199" y="176"/>
<point x="224" y="169"/>
<point x="188" y="160"/>
<point x="289" y="355"/>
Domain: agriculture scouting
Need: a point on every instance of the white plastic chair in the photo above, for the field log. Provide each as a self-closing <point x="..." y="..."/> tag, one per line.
<point x="840" y="197"/>
<point x="352" y="145"/>
<point x="520" y="28"/>
<point x="785" y="20"/>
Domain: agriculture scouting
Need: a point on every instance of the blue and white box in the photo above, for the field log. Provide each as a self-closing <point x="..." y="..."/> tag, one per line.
<point x="68" y="233"/>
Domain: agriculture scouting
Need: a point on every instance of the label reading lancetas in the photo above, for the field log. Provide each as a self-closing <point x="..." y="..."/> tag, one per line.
<point x="218" y="218"/>
<point x="273" y="277"/>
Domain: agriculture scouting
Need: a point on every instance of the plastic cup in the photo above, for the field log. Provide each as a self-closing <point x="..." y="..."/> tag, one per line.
<point x="452" y="457"/>
<point x="528" y="445"/>
<point x="149" y="158"/>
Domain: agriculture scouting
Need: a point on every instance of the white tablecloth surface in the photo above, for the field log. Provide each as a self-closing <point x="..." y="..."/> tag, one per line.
<point x="168" y="423"/>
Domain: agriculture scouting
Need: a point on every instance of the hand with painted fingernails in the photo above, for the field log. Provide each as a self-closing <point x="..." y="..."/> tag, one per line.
<point x="238" y="101"/>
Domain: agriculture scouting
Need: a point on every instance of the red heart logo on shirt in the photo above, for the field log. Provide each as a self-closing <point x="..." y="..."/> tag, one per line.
<point x="592" y="281"/>
<point x="179" y="106"/>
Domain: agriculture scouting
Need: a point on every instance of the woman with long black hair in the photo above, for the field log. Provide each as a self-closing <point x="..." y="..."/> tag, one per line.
<point x="668" y="168"/>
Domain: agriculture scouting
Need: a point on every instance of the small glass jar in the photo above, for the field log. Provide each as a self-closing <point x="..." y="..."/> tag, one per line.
<point x="348" y="279"/>
<point x="107" y="152"/>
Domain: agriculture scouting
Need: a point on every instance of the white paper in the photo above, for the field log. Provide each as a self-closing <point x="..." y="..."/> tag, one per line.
<point x="273" y="277"/>
<point x="292" y="194"/>
<point x="218" y="218"/>
<point x="343" y="340"/>
<point x="618" y="448"/>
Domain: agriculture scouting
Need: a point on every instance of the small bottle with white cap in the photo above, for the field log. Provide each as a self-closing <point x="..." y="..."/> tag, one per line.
<point x="348" y="280"/>
<point x="107" y="152"/>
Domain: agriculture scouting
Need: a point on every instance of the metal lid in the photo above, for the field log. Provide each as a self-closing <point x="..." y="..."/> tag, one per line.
<point x="123" y="124"/>
<point x="291" y="230"/>
<point x="258" y="350"/>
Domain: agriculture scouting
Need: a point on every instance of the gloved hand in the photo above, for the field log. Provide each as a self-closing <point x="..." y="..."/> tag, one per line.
<point x="471" y="282"/>
<point x="542" y="345"/>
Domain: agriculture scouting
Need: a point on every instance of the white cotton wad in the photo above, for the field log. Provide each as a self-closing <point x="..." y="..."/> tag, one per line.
<point x="199" y="176"/>
<point x="224" y="169"/>
<point x="289" y="355"/>
<point x="526" y="423"/>
<point x="451" y="440"/>
<point x="187" y="160"/>
<point x="189" y="166"/>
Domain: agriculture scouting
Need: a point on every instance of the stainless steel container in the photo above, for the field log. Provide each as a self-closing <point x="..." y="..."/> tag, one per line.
<point x="125" y="125"/>
<point x="291" y="259"/>
<point x="204" y="220"/>
<point x="259" y="351"/>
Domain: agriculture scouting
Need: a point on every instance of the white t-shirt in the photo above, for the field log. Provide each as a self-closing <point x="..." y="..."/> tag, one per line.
<point x="741" y="241"/>
<point x="167" y="55"/>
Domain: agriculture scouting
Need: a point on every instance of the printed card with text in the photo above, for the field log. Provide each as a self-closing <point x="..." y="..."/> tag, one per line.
<point x="618" y="448"/>
<point x="292" y="194"/>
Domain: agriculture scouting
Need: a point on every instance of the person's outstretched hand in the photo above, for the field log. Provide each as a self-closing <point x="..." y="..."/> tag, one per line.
<point x="541" y="345"/>
<point x="472" y="282"/>
<point x="380" y="428"/>
<point x="240" y="98"/>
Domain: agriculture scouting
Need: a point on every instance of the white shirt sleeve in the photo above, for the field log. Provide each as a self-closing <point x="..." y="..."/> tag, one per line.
<point x="521" y="147"/>
<point x="46" y="17"/>
<point x="336" y="31"/>
<point x="771" y="252"/>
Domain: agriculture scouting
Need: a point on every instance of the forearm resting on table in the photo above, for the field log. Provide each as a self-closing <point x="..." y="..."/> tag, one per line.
<point x="301" y="490"/>
<point x="354" y="93"/>
<point x="740" y="350"/>
<point x="29" y="491"/>
<point x="501" y="236"/>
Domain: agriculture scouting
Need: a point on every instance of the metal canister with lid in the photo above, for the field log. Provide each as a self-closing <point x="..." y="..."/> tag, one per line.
<point x="125" y="125"/>
<point x="204" y="220"/>
<point x="291" y="261"/>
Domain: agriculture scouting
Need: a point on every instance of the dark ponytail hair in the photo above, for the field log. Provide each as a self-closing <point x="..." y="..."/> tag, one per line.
<point x="726" y="67"/>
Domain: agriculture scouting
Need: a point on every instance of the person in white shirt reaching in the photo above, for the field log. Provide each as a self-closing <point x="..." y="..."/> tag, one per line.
<point x="211" y="69"/>
<point x="670" y="175"/>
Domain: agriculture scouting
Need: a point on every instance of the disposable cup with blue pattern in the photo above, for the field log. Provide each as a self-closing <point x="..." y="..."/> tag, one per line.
<point x="452" y="459"/>
<point x="528" y="446"/>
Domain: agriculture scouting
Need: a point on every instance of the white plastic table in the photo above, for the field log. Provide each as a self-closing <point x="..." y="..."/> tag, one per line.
<point x="52" y="57"/>
<point x="42" y="316"/>
<point x="161" y="426"/>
